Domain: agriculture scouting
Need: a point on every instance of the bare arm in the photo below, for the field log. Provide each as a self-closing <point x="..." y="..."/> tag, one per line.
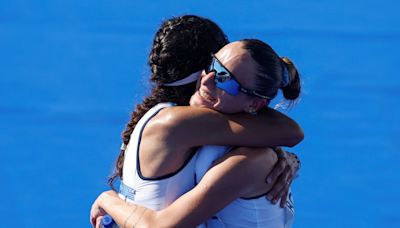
<point x="235" y="171"/>
<point x="268" y="128"/>
<point x="239" y="173"/>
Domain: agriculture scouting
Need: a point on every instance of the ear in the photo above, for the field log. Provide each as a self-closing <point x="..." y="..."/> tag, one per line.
<point x="258" y="103"/>
<point x="255" y="104"/>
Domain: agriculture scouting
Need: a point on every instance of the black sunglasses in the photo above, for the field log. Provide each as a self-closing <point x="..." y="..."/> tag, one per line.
<point x="225" y="80"/>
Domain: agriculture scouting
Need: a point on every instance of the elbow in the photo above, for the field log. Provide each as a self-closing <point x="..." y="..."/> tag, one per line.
<point x="161" y="219"/>
<point x="297" y="136"/>
<point x="149" y="220"/>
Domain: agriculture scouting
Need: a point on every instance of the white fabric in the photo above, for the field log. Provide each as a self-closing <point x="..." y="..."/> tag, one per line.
<point x="189" y="79"/>
<point x="154" y="194"/>
<point x="242" y="212"/>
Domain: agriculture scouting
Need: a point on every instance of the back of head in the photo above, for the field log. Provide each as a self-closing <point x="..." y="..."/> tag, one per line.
<point x="273" y="72"/>
<point x="182" y="46"/>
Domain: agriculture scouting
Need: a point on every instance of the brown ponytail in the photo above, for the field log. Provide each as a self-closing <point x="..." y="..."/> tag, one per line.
<point x="271" y="71"/>
<point x="292" y="90"/>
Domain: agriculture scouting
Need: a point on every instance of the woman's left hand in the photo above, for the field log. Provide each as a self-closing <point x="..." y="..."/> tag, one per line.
<point x="282" y="176"/>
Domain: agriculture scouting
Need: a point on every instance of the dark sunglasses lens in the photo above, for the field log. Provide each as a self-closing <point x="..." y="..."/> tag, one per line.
<point x="222" y="76"/>
<point x="223" y="79"/>
<point x="231" y="87"/>
<point x="221" y="73"/>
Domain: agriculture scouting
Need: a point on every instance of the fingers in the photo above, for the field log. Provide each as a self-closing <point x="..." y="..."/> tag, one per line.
<point x="95" y="212"/>
<point x="296" y="163"/>
<point x="285" y="191"/>
<point x="277" y="190"/>
<point x="98" y="221"/>
<point x="282" y="176"/>
<point x="278" y="150"/>
<point x="276" y="171"/>
<point x="93" y="221"/>
<point x="284" y="197"/>
<point x="92" y="217"/>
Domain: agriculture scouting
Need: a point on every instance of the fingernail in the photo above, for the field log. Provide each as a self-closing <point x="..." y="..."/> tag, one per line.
<point x="269" y="180"/>
<point x="274" y="201"/>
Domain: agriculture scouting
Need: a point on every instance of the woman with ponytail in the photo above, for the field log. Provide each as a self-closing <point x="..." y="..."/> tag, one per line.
<point x="162" y="157"/>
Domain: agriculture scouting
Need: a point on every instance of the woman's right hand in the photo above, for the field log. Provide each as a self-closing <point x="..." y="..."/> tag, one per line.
<point x="97" y="212"/>
<point x="282" y="176"/>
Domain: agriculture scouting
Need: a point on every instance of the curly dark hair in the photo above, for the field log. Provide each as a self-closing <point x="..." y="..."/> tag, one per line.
<point x="181" y="46"/>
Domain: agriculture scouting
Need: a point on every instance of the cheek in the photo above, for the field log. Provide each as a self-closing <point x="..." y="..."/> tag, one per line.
<point x="230" y="104"/>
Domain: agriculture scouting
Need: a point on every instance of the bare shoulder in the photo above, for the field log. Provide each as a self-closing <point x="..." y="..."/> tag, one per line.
<point x="176" y="125"/>
<point x="185" y="112"/>
<point x="180" y="115"/>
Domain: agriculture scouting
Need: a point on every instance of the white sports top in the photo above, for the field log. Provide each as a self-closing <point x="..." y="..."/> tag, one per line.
<point x="253" y="212"/>
<point x="154" y="193"/>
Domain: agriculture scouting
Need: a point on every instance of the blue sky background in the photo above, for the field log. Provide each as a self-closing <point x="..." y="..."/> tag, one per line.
<point x="71" y="71"/>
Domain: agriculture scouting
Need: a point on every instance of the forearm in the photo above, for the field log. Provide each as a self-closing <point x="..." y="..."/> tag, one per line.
<point x="268" y="128"/>
<point x="177" y="215"/>
<point x="282" y="130"/>
<point x="233" y="176"/>
<point x="191" y="209"/>
<point x="236" y="172"/>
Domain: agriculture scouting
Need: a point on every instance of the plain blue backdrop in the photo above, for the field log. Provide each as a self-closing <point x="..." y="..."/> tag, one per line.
<point x="71" y="71"/>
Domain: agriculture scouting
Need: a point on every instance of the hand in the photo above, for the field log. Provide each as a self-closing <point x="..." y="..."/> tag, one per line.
<point x="97" y="212"/>
<point x="98" y="222"/>
<point x="282" y="176"/>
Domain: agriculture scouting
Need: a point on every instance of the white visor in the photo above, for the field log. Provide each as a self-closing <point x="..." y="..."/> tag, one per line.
<point x="189" y="79"/>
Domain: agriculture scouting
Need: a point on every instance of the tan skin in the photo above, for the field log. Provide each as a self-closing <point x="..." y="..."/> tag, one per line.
<point x="170" y="126"/>
<point x="236" y="170"/>
<point x="233" y="171"/>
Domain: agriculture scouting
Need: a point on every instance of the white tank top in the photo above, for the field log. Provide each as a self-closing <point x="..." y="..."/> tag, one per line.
<point x="254" y="212"/>
<point x="153" y="193"/>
